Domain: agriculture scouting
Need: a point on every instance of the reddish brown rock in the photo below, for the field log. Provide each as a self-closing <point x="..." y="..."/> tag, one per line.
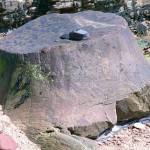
<point x="79" y="82"/>
<point x="7" y="143"/>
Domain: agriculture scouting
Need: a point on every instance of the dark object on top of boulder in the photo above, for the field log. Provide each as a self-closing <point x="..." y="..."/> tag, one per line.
<point x="76" y="35"/>
<point x="79" y="35"/>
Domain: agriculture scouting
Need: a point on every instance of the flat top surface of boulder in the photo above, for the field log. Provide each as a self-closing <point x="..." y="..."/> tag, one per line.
<point x="45" y="31"/>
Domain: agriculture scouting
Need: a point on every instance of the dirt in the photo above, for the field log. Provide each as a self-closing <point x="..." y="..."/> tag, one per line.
<point x="129" y="139"/>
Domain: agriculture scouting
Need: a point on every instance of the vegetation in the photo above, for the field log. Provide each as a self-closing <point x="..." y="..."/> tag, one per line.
<point x="20" y="87"/>
<point x="22" y="15"/>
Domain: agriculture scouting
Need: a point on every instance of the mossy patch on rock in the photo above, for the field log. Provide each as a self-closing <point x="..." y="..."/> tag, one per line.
<point x="20" y="88"/>
<point x="37" y="73"/>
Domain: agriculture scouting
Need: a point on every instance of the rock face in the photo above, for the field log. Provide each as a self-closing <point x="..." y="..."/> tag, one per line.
<point x="11" y="137"/>
<point x="74" y="84"/>
<point x="48" y="142"/>
<point x="134" y="106"/>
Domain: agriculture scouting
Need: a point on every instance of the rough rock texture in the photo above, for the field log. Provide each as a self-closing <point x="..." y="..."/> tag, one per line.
<point x="13" y="136"/>
<point x="76" y="84"/>
<point x="134" y="106"/>
<point x="65" y="142"/>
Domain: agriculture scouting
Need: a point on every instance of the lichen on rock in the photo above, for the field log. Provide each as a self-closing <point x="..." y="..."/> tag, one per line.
<point x="20" y="88"/>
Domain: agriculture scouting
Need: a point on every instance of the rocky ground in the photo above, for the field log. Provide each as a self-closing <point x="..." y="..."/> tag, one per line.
<point x="135" y="137"/>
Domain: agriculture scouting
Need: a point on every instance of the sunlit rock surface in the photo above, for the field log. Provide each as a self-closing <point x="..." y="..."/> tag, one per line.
<point x="76" y="84"/>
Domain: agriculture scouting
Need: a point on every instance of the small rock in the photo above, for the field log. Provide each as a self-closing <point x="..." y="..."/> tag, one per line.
<point x="52" y="129"/>
<point x="137" y="139"/>
<point x="65" y="131"/>
<point x="116" y="128"/>
<point x="139" y="126"/>
<point x="135" y="130"/>
<point x="100" y="143"/>
<point x="79" y="35"/>
<point x="76" y="35"/>
<point x="32" y="9"/>
<point x="148" y="124"/>
<point x="146" y="136"/>
<point x="118" y="143"/>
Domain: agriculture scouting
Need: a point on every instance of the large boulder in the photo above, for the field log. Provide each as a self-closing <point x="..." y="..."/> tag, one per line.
<point x="73" y="85"/>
